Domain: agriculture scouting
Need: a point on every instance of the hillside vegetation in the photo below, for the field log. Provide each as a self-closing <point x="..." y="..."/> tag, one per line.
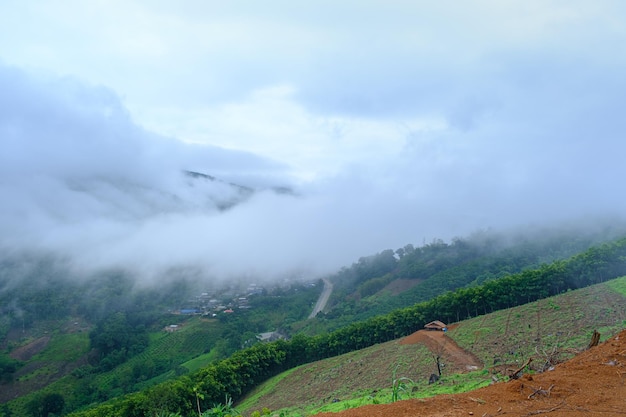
<point x="237" y="375"/>
<point x="389" y="280"/>
<point x="550" y="331"/>
<point x="83" y="341"/>
<point x="120" y="346"/>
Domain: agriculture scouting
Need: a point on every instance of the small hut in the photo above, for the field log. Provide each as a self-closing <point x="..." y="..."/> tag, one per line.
<point x="436" y="325"/>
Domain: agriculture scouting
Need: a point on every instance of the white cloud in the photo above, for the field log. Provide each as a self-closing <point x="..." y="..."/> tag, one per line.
<point x="271" y="123"/>
<point x="397" y="121"/>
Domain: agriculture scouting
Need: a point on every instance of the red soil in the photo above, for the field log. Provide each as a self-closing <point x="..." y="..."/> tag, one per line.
<point x="440" y="344"/>
<point x="591" y="384"/>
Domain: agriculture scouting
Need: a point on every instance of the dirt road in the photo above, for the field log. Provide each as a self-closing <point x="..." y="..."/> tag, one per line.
<point x="324" y="296"/>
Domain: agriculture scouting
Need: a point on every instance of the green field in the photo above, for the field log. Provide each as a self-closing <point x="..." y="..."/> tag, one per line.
<point x="191" y="344"/>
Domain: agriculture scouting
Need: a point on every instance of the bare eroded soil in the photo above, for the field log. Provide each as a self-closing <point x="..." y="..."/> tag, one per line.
<point x="440" y="344"/>
<point x="591" y="384"/>
<point x="29" y="350"/>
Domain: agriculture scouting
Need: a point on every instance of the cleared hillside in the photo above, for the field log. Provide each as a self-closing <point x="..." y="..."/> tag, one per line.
<point x="555" y="328"/>
<point x="591" y="384"/>
<point x="242" y="372"/>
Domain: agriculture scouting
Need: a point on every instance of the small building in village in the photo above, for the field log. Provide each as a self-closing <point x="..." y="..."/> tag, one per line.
<point x="171" y="328"/>
<point x="269" y="336"/>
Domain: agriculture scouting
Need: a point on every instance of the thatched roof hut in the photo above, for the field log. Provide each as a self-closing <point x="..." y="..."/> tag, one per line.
<point x="436" y="325"/>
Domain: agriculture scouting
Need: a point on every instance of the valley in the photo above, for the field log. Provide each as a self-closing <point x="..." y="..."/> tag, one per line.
<point x="132" y="345"/>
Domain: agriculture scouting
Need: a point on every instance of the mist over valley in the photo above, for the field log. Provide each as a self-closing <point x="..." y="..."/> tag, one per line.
<point x="190" y="189"/>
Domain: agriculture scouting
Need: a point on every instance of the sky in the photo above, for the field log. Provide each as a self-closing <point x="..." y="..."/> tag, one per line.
<point x="393" y="122"/>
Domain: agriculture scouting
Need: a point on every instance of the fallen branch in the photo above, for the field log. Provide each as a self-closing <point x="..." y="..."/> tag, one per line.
<point x="478" y="400"/>
<point x="613" y="410"/>
<point x="515" y="375"/>
<point x="556" y="407"/>
<point x="541" y="391"/>
<point x="499" y="412"/>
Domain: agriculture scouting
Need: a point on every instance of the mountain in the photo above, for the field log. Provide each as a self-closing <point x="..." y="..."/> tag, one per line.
<point x="234" y="193"/>
<point x="186" y="192"/>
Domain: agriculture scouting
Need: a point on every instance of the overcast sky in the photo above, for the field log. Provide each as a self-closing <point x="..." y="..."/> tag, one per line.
<point x="394" y="121"/>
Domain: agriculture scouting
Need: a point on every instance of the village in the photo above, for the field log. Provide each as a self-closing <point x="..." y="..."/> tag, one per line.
<point x="230" y="300"/>
<point x="220" y="301"/>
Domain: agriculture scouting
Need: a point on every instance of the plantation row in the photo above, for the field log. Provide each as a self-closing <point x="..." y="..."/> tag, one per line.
<point x="247" y="368"/>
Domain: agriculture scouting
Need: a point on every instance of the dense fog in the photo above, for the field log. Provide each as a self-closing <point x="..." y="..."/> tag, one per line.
<point x="320" y="139"/>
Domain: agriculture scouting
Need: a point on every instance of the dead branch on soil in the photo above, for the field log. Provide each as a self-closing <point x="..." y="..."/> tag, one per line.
<point x="556" y="407"/>
<point x="515" y="374"/>
<point x="612" y="410"/>
<point x="550" y="358"/>
<point x="541" y="391"/>
<point x="498" y="413"/>
<point x="477" y="400"/>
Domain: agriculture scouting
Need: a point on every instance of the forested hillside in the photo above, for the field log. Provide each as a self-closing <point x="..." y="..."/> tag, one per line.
<point x="98" y="337"/>
<point x="366" y="288"/>
<point x="238" y="374"/>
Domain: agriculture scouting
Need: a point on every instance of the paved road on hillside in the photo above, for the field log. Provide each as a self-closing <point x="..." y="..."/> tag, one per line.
<point x="324" y="296"/>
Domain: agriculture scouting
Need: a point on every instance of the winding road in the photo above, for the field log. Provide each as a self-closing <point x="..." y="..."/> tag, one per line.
<point x="324" y="296"/>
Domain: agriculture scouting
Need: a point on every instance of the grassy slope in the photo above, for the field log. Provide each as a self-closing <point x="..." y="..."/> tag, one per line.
<point x="567" y="321"/>
<point x="62" y="366"/>
<point x="194" y="338"/>
<point x="508" y="337"/>
<point x="64" y="352"/>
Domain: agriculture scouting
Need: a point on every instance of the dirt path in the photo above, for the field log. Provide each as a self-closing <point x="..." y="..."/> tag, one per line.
<point x="441" y="345"/>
